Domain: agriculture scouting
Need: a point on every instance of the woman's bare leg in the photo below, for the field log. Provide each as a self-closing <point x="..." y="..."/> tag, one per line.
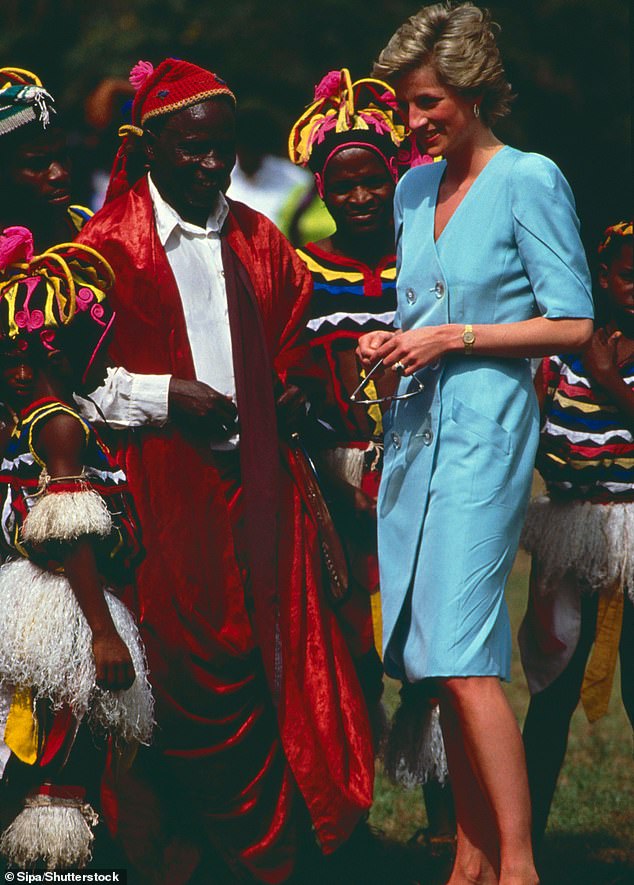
<point x="477" y="853"/>
<point x="493" y="751"/>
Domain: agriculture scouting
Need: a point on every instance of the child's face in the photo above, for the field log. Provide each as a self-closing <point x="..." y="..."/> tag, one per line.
<point x="617" y="281"/>
<point x="16" y="377"/>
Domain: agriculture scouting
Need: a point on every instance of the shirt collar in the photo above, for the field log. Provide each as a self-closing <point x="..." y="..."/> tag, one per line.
<point x="168" y="219"/>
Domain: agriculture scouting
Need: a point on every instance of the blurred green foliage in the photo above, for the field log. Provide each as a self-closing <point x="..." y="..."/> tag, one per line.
<point x="568" y="61"/>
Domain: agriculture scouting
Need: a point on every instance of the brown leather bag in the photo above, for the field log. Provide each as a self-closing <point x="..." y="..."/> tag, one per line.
<point x="307" y="481"/>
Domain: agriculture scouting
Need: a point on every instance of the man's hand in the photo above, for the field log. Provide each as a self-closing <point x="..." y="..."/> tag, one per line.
<point x="291" y="410"/>
<point x="200" y="406"/>
<point x="600" y="357"/>
<point x="115" y="670"/>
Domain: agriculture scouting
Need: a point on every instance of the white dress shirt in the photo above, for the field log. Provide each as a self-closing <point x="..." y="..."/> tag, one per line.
<point x="127" y="399"/>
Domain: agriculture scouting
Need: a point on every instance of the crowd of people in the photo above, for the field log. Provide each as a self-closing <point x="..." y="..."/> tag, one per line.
<point x="241" y="480"/>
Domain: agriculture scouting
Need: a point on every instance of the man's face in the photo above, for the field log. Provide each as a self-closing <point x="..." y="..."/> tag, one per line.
<point x="38" y="172"/>
<point x="192" y="156"/>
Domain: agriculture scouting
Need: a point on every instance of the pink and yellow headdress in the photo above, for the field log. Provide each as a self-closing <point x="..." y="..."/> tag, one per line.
<point x="346" y="114"/>
<point x="613" y="233"/>
<point x="42" y="296"/>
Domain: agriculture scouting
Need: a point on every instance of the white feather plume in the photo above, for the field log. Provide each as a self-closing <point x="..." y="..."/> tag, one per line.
<point x="415" y="751"/>
<point x="593" y="541"/>
<point x="46" y="643"/>
<point x="66" y="516"/>
<point x="54" y="832"/>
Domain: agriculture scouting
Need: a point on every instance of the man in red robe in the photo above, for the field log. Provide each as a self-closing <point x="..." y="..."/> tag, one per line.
<point x="262" y="732"/>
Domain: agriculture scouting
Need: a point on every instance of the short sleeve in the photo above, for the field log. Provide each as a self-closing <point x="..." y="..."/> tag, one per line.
<point x="547" y="235"/>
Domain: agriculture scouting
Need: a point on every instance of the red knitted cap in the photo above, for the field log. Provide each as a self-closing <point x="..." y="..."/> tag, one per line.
<point x="173" y="85"/>
<point x="170" y="87"/>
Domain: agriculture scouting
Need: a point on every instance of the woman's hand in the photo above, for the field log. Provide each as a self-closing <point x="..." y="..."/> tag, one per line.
<point x="115" y="670"/>
<point x="412" y="350"/>
<point x="369" y="344"/>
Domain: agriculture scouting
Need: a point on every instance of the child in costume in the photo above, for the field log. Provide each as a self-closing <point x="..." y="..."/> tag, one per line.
<point x="71" y="659"/>
<point x="581" y="534"/>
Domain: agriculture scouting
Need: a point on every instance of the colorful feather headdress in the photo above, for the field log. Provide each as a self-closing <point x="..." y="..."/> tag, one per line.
<point x="343" y="114"/>
<point x="42" y="295"/>
<point x="23" y="100"/>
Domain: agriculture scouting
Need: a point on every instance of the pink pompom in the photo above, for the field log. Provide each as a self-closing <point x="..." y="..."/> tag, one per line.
<point x="140" y="73"/>
<point x="16" y="244"/>
<point x="328" y="85"/>
<point x="389" y="99"/>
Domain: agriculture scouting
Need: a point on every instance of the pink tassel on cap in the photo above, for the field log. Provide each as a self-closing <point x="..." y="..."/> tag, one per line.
<point x="140" y="73"/>
<point x="16" y="244"/>
<point x="328" y="85"/>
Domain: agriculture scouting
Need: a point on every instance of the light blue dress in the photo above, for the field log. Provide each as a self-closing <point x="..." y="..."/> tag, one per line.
<point x="459" y="458"/>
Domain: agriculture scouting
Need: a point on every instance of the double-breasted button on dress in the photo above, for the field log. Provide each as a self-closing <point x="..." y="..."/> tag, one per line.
<point x="459" y="457"/>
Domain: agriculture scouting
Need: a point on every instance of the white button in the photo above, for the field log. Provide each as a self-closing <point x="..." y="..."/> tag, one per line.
<point x="411" y="296"/>
<point x="427" y="437"/>
<point x="439" y="289"/>
<point x="396" y="440"/>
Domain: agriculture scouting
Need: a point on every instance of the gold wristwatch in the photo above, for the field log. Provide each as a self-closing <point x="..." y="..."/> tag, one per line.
<point x="468" y="339"/>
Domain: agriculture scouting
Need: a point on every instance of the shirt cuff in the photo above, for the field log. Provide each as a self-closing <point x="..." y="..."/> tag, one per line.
<point x="149" y="400"/>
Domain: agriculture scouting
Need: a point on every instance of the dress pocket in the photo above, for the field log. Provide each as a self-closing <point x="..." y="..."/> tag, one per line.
<point x="480" y="425"/>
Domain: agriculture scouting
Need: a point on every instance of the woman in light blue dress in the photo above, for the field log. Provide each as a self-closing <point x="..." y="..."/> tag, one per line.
<point x="491" y="272"/>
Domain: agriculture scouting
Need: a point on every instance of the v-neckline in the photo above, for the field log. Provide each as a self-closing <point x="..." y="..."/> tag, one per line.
<point x="438" y="238"/>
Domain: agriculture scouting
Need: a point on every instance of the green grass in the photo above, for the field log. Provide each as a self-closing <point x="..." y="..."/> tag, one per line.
<point x="590" y="838"/>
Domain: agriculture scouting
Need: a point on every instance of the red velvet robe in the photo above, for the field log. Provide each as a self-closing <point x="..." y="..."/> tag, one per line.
<point x="239" y="758"/>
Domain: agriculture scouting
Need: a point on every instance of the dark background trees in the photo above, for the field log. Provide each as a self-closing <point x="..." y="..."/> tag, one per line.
<point x="568" y="61"/>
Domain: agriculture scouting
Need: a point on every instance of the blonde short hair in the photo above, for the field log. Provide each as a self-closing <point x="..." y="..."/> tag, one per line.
<point x="458" y="42"/>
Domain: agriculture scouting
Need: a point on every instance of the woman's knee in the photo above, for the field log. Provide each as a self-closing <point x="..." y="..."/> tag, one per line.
<point x="461" y="691"/>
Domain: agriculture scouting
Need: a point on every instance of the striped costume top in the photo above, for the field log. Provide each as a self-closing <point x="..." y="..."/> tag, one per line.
<point x="77" y="217"/>
<point x="349" y="300"/>
<point x="585" y="453"/>
<point x="23" y="480"/>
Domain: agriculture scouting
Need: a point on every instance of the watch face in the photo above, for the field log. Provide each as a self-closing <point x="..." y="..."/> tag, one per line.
<point x="468" y="337"/>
